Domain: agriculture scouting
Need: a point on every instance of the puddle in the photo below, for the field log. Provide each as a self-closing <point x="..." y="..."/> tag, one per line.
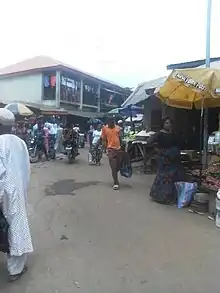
<point x="67" y="186"/>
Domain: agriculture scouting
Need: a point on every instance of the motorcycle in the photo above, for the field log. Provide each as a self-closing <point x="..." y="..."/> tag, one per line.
<point x="35" y="150"/>
<point x="81" y="140"/>
<point x="95" y="155"/>
<point x="71" y="150"/>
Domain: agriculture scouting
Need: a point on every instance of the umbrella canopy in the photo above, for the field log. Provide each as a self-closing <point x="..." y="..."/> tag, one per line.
<point x="94" y="121"/>
<point x="137" y="118"/>
<point x="127" y="111"/>
<point x="114" y="111"/>
<point x="19" y="109"/>
<point x="187" y="88"/>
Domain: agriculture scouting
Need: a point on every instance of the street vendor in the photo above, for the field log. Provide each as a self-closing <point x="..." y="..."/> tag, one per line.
<point x="169" y="167"/>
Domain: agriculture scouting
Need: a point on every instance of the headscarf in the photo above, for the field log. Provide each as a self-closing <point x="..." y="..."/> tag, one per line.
<point x="7" y="118"/>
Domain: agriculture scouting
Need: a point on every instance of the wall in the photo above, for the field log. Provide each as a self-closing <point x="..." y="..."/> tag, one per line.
<point x="49" y="103"/>
<point x="27" y="88"/>
<point x="152" y="108"/>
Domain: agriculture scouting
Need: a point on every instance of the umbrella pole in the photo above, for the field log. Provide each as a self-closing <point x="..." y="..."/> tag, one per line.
<point x="208" y="33"/>
<point x="201" y="144"/>
<point x="132" y="123"/>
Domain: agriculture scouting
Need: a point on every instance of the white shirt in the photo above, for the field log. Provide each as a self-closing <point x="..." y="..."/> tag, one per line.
<point x="96" y="136"/>
<point x="76" y="129"/>
<point x="52" y="128"/>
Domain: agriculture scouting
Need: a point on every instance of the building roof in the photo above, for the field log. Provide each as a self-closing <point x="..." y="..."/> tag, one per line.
<point x="143" y="91"/>
<point x="146" y="89"/>
<point x="43" y="62"/>
<point x="191" y="64"/>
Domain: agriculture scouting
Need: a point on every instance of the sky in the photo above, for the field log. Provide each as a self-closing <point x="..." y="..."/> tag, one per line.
<point x="126" y="42"/>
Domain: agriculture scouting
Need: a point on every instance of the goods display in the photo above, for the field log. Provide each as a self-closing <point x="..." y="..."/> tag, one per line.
<point x="210" y="177"/>
<point x="217" y="217"/>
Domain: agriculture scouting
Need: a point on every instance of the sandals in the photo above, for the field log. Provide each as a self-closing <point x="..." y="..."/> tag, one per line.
<point x="115" y="187"/>
<point x="13" y="278"/>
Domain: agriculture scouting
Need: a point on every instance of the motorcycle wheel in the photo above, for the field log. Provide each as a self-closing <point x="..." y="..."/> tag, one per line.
<point x="34" y="156"/>
<point x="71" y="158"/>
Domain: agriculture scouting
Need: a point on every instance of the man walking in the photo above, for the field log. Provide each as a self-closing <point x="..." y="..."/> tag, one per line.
<point x="111" y="140"/>
<point x="14" y="180"/>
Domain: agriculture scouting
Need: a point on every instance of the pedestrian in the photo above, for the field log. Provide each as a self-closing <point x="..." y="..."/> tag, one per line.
<point x="46" y="141"/>
<point x="90" y="133"/>
<point x="52" y="127"/>
<point x="59" y="143"/>
<point x="111" y="139"/>
<point x="95" y="142"/>
<point x="14" y="180"/>
<point x="169" y="167"/>
<point x="121" y="125"/>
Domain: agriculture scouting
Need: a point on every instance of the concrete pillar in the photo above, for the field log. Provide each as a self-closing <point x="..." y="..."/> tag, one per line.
<point x="81" y="95"/>
<point x="99" y="97"/>
<point x="58" y="89"/>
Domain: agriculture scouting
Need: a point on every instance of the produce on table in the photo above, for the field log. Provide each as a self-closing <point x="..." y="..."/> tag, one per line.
<point x="210" y="176"/>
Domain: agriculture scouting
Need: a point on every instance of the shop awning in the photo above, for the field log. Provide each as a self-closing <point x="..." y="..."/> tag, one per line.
<point x="143" y="91"/>
<point x="45" y="109"/>
<point x="85" y="114"/>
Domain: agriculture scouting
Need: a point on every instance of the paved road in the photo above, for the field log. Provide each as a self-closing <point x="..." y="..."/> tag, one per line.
<point x="91" y="239"/>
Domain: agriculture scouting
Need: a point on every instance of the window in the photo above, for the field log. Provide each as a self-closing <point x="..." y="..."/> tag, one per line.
<point x="90" y="93"/>
<point x="49" y="86"/>
<point x="110" y="99"/>
<point x="70" y="89"/>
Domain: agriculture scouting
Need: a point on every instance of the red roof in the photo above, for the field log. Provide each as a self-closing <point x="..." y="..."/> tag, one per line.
<point x="43" y="62"/>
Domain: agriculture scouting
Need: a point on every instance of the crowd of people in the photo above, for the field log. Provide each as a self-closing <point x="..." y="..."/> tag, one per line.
<point x="51" y="135"/>
<point x="15" y="174"/>
<point x="14" y="179"/>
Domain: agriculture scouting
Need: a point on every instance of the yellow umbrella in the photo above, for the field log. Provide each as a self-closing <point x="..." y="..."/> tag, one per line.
<point x="186" y="88"/>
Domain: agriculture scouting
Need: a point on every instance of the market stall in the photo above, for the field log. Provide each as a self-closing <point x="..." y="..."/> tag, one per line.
<point x="137" y="148"/>
<point x="198" y="88"/>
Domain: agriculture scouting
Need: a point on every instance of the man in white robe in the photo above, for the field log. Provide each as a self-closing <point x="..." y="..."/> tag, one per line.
<point x="14" y="180"/>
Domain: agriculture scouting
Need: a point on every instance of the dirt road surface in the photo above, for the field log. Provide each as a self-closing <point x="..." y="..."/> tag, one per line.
<point x="91" y="239"/>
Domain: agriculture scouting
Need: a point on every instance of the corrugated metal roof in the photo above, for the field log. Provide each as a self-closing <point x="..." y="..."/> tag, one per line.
<point x="44" y="62"/>
<point x="192" y="64"/>
<point x="85" y="114"/>
<point x="215" y="65"/>
<point x="142" y="92"/>
<point x="46" y="108"/>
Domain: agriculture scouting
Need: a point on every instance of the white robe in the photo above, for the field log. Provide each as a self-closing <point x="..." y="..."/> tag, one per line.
<point x="14" y="180"/>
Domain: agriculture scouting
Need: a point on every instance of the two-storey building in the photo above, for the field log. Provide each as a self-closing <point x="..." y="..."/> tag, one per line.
<point x="46" y="81"/>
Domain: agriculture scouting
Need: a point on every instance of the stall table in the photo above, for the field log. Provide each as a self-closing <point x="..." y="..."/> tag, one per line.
<point x="138" y="151"/>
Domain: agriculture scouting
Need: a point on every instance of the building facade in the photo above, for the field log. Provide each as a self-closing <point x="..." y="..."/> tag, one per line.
<point x="49" y="82"/>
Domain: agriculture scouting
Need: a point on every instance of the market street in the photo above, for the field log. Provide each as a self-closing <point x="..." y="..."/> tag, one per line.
<point x="91" y="239"/>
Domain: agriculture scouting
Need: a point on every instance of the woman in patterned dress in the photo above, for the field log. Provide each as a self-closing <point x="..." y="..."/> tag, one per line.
<point x="169" y="167"/>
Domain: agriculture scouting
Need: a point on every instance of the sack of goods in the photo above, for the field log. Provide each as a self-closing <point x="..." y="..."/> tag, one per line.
<point x="4" y="244"/>
<point x="185" y="193"/>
